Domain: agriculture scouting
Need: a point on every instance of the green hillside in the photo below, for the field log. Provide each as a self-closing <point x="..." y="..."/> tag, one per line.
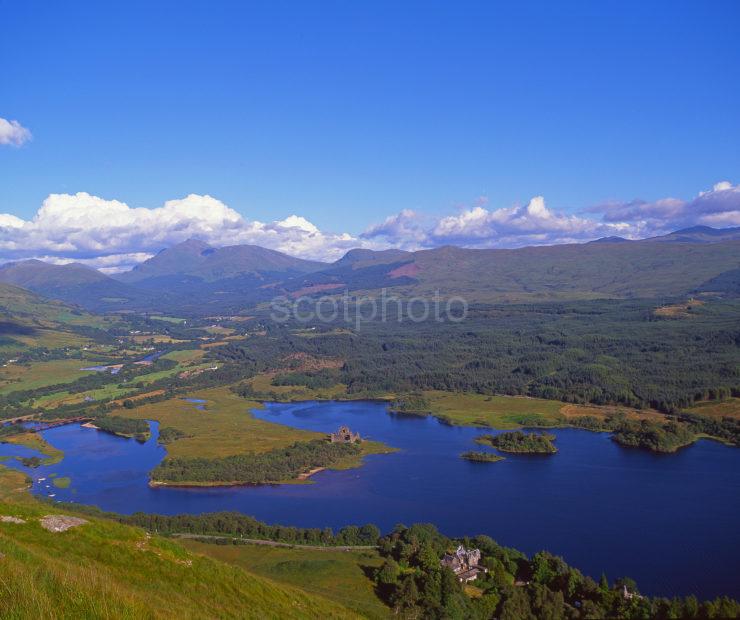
<point x="583" y="271"/>
<point x="198" y="260"/>
<point x="342" y="576"/>
<point x="28" y="321"/>
<point x="24" y="305"/>
<point x="102" y="569"/>
<point x="194" y="279"/>
<point x="73" y="283"/>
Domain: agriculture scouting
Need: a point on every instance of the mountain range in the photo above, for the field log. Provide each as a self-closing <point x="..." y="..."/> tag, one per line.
<point x="193" y="277"/>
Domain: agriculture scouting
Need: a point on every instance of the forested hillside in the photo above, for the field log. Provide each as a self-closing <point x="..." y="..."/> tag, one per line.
<point x="597" y="352"/>
<point x="34" y="325"/>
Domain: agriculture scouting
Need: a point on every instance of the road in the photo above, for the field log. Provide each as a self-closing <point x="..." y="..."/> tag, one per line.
<point x="273" y="543"/>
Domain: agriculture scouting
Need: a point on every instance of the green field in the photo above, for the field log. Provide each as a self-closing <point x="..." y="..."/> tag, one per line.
<point x="502" y="412"/>
<point x="336" y="575"/>
<point x="63" y="398"/>
<point x="48" y="338"/>
<point x="113" y="389"/>
<point x="184" y="355"/>
<point x="16" y="377"/>
<point x="30" y="321"/>
<point x="167" y="319"/>
<point x="225" y="427"/>
<point x="161" y="374"/>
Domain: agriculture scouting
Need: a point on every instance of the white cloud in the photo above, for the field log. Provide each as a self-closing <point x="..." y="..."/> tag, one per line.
<point x="719" y="206"/>
<point x="478" y="226"/>
<point x="13" y="133"/>
<point x="113" y="236"/>
<point x="532" y="223"/>
<point x="536" y="224"/>
<point x="112" y="263"/>
<point x="405" y="230"/>
<point x="295" y="221"/>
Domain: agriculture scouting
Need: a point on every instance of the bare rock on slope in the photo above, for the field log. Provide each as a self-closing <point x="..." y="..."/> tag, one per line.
<point x="60" y="523"/>
<point x="7" y="519"/>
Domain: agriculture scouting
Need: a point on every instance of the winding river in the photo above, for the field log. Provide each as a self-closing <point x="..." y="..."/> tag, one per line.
<point x="669" y="521"/>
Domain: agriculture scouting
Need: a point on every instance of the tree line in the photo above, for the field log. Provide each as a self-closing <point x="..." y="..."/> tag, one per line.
<point x="519" y="441"/>
<point x="127" y="427"/>
<point x="613" y="353"/>
<point x="277" y="465"/>
<point x="413" y="583"/>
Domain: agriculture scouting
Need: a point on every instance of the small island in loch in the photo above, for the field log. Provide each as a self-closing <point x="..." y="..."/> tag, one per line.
<point x="481" y="457"/>
<point x="520" y="442"/>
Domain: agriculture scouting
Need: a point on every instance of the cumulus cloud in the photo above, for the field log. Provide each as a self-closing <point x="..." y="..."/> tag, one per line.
<point x="111" y="263"/>
<point x="13" y="133"/>
<point x="404" y="229"/>
<point x="719" y="207"/>
<point x="536" y="224"/>
<point x="111" y="235"/>
<point x="532" y="222"/>
<point x="477" y="226"/>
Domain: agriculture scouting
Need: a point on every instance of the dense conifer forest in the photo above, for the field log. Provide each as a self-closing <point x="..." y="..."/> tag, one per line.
<point x="600" y="352"/>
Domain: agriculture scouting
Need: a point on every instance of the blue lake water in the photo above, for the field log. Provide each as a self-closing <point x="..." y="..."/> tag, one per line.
<point x="669" y="521"/>
<point x="152" y="357"/>
<point x="198" y="402"/>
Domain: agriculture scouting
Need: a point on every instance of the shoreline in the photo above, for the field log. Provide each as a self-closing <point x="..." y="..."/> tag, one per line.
<point x="153" y="484"/>
<point x="309" y="473"/>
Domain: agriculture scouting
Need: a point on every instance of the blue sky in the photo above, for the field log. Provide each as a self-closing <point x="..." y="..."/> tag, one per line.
<point x="347" y="113"/>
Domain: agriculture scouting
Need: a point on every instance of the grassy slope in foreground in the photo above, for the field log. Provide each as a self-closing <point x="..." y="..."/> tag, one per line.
<point x="337" y="575"/>
<point x="107" y="570"/>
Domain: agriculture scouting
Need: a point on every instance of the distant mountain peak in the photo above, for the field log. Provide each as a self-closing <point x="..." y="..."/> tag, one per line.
<point x="699" y="234"/>
<point x="694" y="229"/>
<point x="197" y="259"/>
<point x="612" y="239"/>
<point x="191" y="245"/>
<point x="362" y="255"/>
<point x="707" y="230"/>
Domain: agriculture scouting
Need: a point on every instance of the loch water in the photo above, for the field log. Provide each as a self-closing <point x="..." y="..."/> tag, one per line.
<point x="668" y="521"/>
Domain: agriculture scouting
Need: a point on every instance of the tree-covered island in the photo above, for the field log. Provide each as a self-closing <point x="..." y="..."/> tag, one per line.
<point x="520" y="442"/>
